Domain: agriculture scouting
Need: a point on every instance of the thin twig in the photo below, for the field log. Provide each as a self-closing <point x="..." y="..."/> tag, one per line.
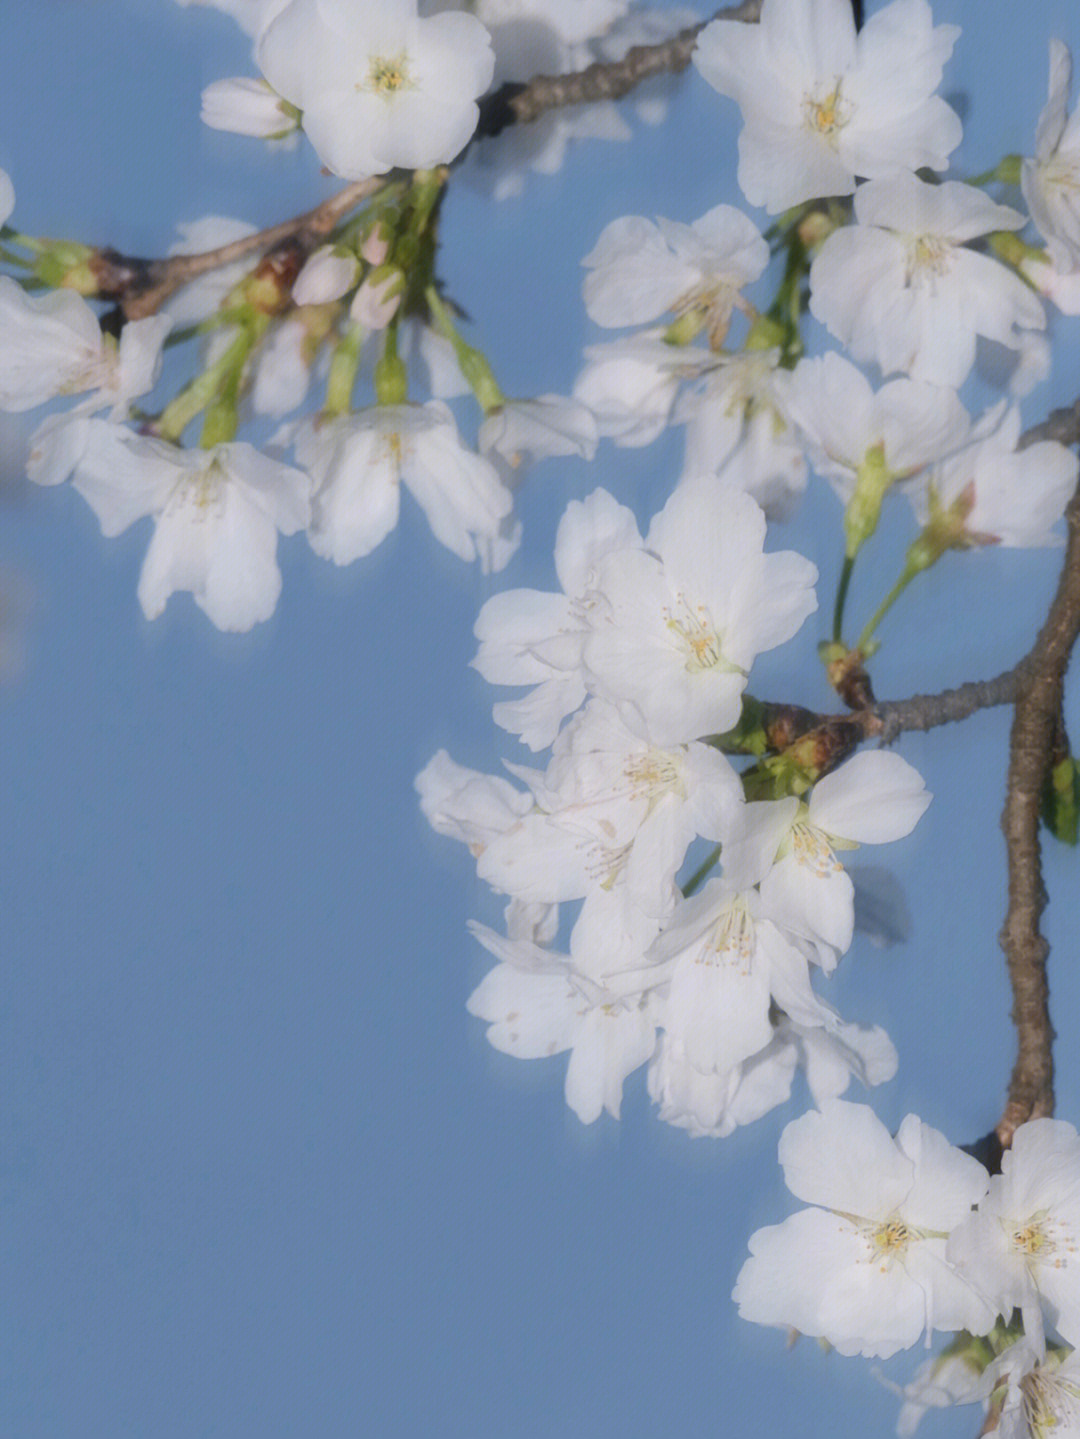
<point x="141" y="287"/>
<point x="610" y="80"/>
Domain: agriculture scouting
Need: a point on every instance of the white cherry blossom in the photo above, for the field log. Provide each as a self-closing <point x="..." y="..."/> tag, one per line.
<point x="822" y="105"/>
<point x="378" y="85"/>
<point x="217" y="517"/>
<point x="863" y="442"/>
<point x="630" y="385"/>
<point x="866" y="1269"/>
<point x="529" y="637"/>
<point x="996" y="493"/>
<point x="467" y="805"/>
<point x="53" y="345"/>
<point x="873" y="798"/>
<point x="538" y="1004"/>
<point x="359" y="463"/>
<point x="1022" y="1248"/>
<point x="901" y="288"/>
<point x="639" y="270"/>
<point x="736" y="431"/>
<point x="1051" y="181"/>
<point x="615" y="816"/>
<point x="246" y="106"/>
<point x="123" y="371"/>
<point x="676" y="627"/>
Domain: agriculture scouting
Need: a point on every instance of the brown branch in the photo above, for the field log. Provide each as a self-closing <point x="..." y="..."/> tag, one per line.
<point x="141" y="287"/>
<point x="609" y="80"/>
<point x="1035" y="725"/>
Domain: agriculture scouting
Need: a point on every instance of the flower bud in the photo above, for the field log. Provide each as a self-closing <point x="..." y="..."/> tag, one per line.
<point x="330" y="272"/>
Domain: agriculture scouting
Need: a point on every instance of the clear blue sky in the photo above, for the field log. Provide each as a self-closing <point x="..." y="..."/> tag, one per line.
<point x="261" y="1173"/>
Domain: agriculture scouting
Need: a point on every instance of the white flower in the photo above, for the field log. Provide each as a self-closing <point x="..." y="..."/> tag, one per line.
<point x="537" y="1004"/>
<point x="735" y="430"/>
<point x="359" y="463"/>
<point x="1051" y="181"/>
<point x="640" y="270"/>
<point x="217" y="515"/>
<point x="52" y="345"/>
<point x="675" y="631"/>
<point x="725" y="962"/>
<point x="379" y="86"/>
<point x="123" y="371"/>
<point x="467" y="805"/>
<point x="1022" y="1249"/>
<point x="873" y="798"/>
<point x="1035" y="1397"/>
<point x="246" y="107"/>
<point x="900" y="288"/>
<point x="821" y="105"/>
<point x="997" y="493"/>
<point x="615" y="817"/>
<point x="529" y="637"/>
<point x="630" y="384"/>
<point x="866" y="1270"/>
<point x="847" y="427"/>
<point x="716" y="1104"/>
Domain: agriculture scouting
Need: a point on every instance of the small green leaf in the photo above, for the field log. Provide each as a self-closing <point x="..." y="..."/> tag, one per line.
<point x="1061" y="801"/>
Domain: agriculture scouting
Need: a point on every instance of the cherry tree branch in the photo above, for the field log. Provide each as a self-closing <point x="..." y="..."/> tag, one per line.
<point x="141" y="287"/>
<point x="610" y="80"/>
<point x="1035" y="724"/>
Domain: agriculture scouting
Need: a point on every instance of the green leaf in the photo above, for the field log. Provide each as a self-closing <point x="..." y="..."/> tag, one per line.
<point x="1061" y="801"/>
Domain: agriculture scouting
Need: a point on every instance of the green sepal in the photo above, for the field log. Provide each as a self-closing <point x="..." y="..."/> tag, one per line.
<point x="746" y="737"/>
<point x="1061" y="800"/>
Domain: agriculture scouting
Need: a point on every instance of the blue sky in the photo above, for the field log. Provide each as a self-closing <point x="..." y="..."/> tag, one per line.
<point x="261" y="1173"/>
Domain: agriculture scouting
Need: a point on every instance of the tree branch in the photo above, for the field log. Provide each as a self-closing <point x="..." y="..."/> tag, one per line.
<point x="1035" y="723"/>
<point x="612" y="79"/>
<point x="141" y="287"/>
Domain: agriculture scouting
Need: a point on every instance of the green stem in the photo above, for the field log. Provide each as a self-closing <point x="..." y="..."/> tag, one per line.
<point x="700" y="873"/>
<point x="841" y="598"/>
<point x="887" y="603"/>
<point x="472" y="364"/>
<point x="201" y="391"/>
<point x="343" y="367"/>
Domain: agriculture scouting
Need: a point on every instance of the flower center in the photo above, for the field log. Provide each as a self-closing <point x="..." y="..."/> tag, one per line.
<point x="891" y="1239"/>
<point x="1049" y="1401"/>
<point x="393" y="449"/>
<point x="1044" y="1240"/>
<point x="697" y="637"/>
<point x="199" y="497"/>
<point x="927" y="257"/>
<point x="828" y="115"/>
<point x="733" y="938"/>
<point x="655" y="773"/>
<point x="812" y="850"/>
<point x="387" y="74"/>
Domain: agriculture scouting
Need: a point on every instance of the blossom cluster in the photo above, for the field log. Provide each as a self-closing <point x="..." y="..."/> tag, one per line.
<point x="909" y="1235"/>
<point x="647" y="649"/>
<point x="637" y="669"/>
